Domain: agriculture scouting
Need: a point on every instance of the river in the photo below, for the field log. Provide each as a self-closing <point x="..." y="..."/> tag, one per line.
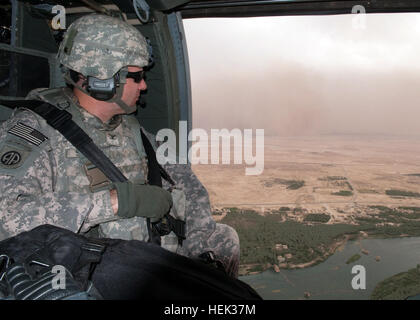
<point x="332" y="279"/>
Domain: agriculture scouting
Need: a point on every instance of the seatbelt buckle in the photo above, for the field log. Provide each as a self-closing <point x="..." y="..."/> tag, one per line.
<point x="167" y="224"/>
<point x="98" y="181"/>
<point x="178" y="227"/>
<point x="162" y="227"/>
<point x="209" y="257"/>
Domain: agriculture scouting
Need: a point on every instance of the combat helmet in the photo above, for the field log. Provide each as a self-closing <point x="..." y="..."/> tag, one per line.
<point x="101" y="47"/>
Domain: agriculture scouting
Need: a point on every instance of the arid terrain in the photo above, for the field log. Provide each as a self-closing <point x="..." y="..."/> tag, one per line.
<point x="343" y="175"/>
<point x="316" y="193"/>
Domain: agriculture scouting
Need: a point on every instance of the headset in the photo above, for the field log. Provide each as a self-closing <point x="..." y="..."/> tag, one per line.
<point x="105" y="89"/>
<point x="110" y="89"/>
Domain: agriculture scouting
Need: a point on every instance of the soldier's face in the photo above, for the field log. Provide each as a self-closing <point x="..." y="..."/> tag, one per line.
<point x="131" y="92"/>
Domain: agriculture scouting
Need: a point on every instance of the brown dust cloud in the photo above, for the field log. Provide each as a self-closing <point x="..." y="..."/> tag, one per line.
<point x="311" y="75"/>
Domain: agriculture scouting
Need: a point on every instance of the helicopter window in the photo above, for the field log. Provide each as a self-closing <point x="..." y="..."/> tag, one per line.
<point x="20" y="73"/>
<point x="24" y="55"/>
<point x="337" y="97"/>
<point x="5" y="18"/>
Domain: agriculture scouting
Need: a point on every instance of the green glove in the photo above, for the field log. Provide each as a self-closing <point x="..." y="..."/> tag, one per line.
<point x="140" y="200"/>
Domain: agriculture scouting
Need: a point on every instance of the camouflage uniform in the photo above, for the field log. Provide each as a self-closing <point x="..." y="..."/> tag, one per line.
<point x="50" y="185"/>
<point x="43" y="178"/>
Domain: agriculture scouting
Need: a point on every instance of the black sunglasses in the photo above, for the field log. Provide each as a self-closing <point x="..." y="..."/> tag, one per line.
<point x="137" y="76"/>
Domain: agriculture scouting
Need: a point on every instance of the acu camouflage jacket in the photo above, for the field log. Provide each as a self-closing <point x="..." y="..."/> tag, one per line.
<point x="43" y="178"/>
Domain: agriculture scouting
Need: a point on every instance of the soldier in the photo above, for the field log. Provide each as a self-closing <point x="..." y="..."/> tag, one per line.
<point x="45" y="180"/>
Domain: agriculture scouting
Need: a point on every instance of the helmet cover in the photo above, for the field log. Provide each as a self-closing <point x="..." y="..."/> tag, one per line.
<point x="99" y="46"/>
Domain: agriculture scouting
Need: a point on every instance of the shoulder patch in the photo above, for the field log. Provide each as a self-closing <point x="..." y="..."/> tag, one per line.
<point x="27" y="133"/>
<point x="20" y="148"/>
<point x="14" y="155"/>
<point x="17" y="156"/>
<point x="11" y="158"/>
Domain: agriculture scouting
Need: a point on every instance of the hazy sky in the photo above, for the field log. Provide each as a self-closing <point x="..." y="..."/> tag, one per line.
<point x="307" y="75"/>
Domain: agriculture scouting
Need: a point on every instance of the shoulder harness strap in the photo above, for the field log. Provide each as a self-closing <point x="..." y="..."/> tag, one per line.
<point x="61" y="121"/>
<point x="156" y="171"/>
<point x="167" y="223"/>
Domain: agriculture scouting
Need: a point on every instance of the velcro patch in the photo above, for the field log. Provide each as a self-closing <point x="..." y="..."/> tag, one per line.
<point x="11" y="158"/>
<point x="27" y="133"/>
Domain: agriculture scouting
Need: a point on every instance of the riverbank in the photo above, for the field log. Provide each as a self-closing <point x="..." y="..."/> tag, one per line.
<point x="332" y="279"/>
<point x="277" y="240"/>
<point x="398" y="287"/>
<point x="252" y="269"/>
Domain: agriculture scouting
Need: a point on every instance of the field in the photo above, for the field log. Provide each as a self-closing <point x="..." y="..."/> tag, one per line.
<point x="337" y="175"/>
<point x="315" y="193"/>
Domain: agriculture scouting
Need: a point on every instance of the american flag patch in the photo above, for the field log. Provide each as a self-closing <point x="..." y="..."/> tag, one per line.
<point x="29" y="134"/>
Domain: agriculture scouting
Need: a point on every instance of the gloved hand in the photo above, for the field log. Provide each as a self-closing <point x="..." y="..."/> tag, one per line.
<point x="140" y="200"/>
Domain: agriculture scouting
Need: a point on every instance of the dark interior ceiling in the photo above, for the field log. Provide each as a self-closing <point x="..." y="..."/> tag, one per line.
<point x="244" y="8"/>
<point x="249" y="8"/>
<point x="124" y="5"/>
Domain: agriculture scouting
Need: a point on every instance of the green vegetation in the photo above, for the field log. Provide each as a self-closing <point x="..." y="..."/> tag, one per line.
<point x="258" y="236"/>
<point x="317" y="217"/>
<point x="343" y="193"/>
<point x="410" y="212"/>
<point x="332" y="178"/>
<point x="394" y="192"/>
<point x="353" y="258"/>
<point x="256" y="268"/>
<point x="393" y="222"/>
<point x="290" y="184"/>
<point x="295" y="184"/>
<point x="298" y="210"/>
<point x="407" y="228"/>
<point x="414" y="209"/>
<point x="284" y="209"/>
<point x="368" y="220"/>
<point x="413" y="174"/>
<point x="397" y="215"/>
<point x="338" y="181"/>
<point x="399" y="286"/>
<point x="367" y="191"/>
<point x="232" y="210"/>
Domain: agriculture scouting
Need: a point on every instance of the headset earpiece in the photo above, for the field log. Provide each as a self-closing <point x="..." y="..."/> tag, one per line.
<point x="99" y="89"/>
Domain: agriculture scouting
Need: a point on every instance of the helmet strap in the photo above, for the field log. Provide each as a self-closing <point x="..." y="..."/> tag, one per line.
<point x="117" y="99"/>
<point x="120" y="88"/>
<point x="68" y="79"/>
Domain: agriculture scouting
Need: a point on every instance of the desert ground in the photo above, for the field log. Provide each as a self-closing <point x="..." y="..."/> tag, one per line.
<point x="359" y="168"/>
